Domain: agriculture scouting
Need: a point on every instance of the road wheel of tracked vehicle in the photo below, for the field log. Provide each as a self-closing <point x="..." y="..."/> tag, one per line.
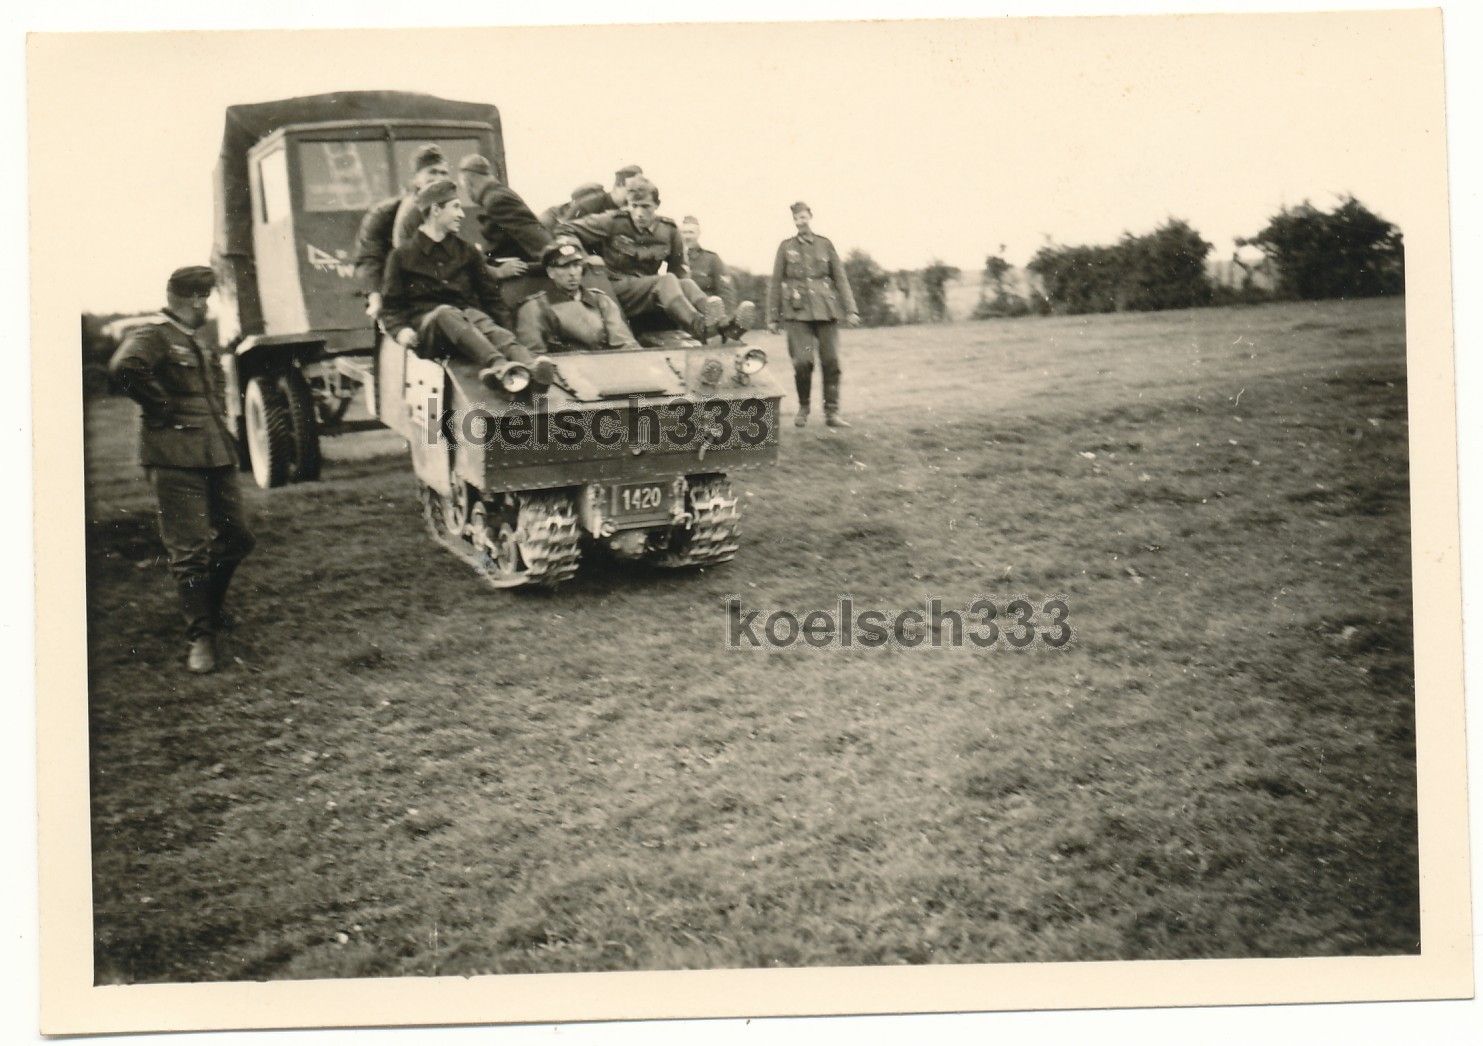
<point x="270" y="439"/>
<point x="514" y="540"/>
<point x="303" y="420"/>
<point x="711" y="535"/>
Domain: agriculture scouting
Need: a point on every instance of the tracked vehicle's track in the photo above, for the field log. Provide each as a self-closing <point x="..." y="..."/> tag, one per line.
<point x="543" y="548"/>
<point x="712" y="536"/>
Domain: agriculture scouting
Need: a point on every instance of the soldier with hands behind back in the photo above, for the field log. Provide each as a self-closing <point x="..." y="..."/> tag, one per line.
<point x="189" y="456"/>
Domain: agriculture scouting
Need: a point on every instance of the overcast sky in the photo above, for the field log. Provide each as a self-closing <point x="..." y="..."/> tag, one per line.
<point x="911" y="140"/>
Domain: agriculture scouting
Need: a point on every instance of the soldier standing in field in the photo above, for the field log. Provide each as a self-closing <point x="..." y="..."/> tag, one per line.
<point x="377" y="234"/>
<point x="711" y="275"/>
<point x="570" y="316"/>
<point x="810" y="293"/>
<point x="440" y="295"/>
<point x="634" y="243"/>
<point x="189" y="456"/>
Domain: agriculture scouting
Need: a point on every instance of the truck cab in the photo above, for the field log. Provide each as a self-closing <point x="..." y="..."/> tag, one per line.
<point x="293" y="183"/>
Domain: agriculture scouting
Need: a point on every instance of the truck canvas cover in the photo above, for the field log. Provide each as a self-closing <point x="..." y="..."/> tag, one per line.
<point x="246" y="125"/>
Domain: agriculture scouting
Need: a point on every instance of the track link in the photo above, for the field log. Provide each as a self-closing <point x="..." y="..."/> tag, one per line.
<point x="712" y="536"/>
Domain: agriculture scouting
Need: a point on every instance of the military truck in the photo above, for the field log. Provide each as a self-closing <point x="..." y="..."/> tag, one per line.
<point x="292" y="182"/>
<point x="629" y="450"/>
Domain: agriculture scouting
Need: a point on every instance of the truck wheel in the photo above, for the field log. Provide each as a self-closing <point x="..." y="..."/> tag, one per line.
<point x="270" y="440"/>
<point x="304" y="423"/>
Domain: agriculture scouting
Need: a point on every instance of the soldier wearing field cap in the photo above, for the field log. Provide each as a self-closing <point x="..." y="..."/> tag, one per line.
<point x="440" y="296"/>
<point x="634" y="243"/>
<point x="810" y="293"/>
<point x="590" y="198"/>
<point x="569" y="316"/>
<point x="189" y="455"/>
<point x="428" y="165"/>
<point x="376" y="236"/>
<point x="514" y="238"/>
<point x="711" y="275"/>
<point x="510" y="228"/>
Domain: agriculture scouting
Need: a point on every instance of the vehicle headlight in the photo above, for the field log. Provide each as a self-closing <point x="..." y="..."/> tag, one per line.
<point x="712" y="371"/>
<point x="514" y="377"/>
<point x="750" y="361"/>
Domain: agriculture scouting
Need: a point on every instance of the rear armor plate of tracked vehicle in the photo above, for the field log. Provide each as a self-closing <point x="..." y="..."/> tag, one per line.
<point x="630" y="449"/>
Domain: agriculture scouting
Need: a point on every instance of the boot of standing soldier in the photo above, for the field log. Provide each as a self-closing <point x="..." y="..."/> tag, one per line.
<point x="803" y="382"/>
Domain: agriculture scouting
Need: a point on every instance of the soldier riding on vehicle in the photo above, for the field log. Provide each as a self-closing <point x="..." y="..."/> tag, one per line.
<point x="634" y="243"/>
<point x="439" y="295"/>
<point x="377" y="234"/>
<point x="711" y="275"/>
<point x="570" y="316"/>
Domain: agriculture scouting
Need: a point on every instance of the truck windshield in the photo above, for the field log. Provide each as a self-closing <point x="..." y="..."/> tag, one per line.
<point x="455" y="149"/>
<point x="344" y="176"/>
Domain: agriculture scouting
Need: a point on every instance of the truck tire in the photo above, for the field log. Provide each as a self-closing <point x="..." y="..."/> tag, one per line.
<point x="270" y="440"/>
<point x="303" y="418"/>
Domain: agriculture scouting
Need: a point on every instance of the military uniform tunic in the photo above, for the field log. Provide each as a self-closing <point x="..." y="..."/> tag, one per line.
<point x="555" y="321"/>
<point x="373" y="243"/>
<point x="633" y="257"/>
<point x="808" y="282"/>
<point x="181" y="390"/>
<point x="810" y="293"/>
<point x="191" y="461"/>
<point x="424" y="273"/>
<point x="628" y="250"/>
<point x="711" y="275"/>
<point x="510" y="229"/>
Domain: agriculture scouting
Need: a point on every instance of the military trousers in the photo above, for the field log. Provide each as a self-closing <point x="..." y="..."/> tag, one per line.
<point x="680" y="299"/>
<point x="471" y="335"/>
<point x="804" y="337"/>
<point x="205" y="532"/>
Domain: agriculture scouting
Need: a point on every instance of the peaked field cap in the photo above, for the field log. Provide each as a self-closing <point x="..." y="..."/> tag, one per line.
<point x="427" y="156"/>
<point x="689" y="219"/>
<point x="559" y="254"/>
<point x="801" y="206"/>
<point x="440" y="191"/>
<point x="626" y="172"/>
<point x="475" y="164"/>
<point x="191" y="279"/>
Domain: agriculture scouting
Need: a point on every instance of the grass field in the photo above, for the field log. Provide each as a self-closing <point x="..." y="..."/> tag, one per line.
<point x="405" y="773"/>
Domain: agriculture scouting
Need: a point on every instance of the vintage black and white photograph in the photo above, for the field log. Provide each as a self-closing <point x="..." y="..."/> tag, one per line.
<point x="758" y="496"/>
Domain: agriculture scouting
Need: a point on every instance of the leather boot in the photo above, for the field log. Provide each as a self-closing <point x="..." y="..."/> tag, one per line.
<point x="202" y="657"/>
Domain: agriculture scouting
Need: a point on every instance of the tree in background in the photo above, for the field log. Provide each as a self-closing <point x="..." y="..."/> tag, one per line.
<point x="995" y="299"/>
<point x="1164" y="269"/>
<point x="996" y="269"/>
<point x="935" y="278"/>
<point x="1349" y="252"/>
<point x="869" y="282"/>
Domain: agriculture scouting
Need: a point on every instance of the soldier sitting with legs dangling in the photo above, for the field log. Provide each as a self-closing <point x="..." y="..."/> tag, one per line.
<point x="634" y="243"/>
<point x="439" y="294"/>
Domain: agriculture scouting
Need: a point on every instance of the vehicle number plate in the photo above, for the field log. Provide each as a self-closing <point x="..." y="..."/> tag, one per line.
<point x="640" y="499"/>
